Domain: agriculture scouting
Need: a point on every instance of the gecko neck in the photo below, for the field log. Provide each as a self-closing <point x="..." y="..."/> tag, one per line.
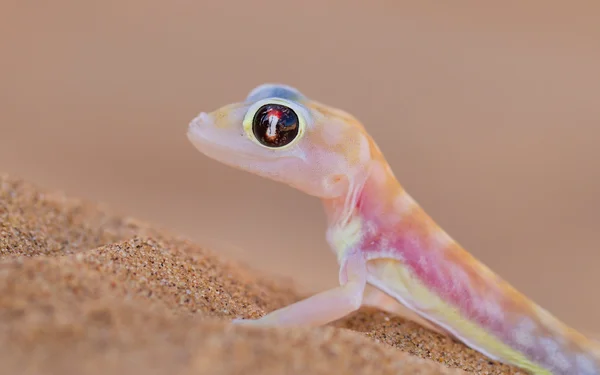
<point x="363" y="207"/>
<point x="370" y="182"/>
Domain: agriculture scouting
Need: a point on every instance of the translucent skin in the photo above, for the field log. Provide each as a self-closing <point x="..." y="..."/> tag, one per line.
<point x="382" y="237"/>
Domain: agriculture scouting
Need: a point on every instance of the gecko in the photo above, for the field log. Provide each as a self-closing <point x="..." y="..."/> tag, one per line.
<point x="381" y="236"/>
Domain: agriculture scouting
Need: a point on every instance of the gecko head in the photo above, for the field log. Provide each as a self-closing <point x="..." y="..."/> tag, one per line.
<point x="280" y="134"/>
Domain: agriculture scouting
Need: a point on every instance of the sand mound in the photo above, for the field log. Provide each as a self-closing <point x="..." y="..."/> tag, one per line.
<point x="83" y="291"/>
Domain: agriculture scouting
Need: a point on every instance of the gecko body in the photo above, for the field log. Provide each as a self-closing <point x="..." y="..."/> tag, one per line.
<point x="380" y="235"/>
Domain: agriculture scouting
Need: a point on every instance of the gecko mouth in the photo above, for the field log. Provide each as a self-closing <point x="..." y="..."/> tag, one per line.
<point x="216" y="144"/>
<point x="209" y="144"/>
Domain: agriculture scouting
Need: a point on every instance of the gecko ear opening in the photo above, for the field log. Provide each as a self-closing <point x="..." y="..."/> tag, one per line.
<point x="274" y="123"/>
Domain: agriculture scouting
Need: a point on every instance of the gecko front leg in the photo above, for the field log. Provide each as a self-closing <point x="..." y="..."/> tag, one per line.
<point x="327" y="306"/>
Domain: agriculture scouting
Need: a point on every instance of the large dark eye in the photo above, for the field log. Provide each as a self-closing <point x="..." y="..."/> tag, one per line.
<point x="275" y="125"/>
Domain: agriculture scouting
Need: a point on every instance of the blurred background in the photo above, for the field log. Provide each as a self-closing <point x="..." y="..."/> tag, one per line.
<point x="488" y="114"/>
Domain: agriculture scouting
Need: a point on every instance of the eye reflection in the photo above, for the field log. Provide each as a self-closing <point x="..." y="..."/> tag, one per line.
<point x="275" y="125"/>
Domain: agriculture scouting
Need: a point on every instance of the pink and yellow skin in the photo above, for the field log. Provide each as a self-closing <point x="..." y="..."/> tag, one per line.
<point x="381" y="236"/>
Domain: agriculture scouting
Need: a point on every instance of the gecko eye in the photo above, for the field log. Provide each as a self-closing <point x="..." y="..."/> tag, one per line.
<point x="275" y="125"/>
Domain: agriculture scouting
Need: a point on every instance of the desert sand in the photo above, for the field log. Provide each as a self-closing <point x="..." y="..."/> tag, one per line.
<point x="85" y="291"/>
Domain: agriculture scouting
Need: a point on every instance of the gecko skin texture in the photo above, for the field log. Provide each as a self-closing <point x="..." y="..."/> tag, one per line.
<point x="381" y="236"/>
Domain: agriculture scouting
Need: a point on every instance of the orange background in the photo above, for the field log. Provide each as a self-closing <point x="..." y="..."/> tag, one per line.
<point x="488" y="115"/>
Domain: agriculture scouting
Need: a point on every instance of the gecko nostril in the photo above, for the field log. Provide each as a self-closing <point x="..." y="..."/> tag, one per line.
<point x="198" y="121"/>
<point x="202" y="118"/>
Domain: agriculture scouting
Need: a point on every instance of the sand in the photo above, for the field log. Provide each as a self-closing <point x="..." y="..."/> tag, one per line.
<point x="86" y="291"/>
